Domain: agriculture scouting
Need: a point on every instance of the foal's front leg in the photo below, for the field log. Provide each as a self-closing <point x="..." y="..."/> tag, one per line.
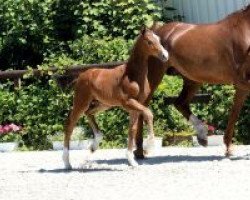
<point x="133" y="118"/>
<point x="133" y="106"/>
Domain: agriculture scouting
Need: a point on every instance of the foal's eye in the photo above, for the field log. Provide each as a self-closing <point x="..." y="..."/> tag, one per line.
<point x="150" y="42"/>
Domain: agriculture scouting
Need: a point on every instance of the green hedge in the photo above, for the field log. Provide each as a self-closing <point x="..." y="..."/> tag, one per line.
<point x="42" y="109"/>
<point x="66" y="32"/>
<point x="31" y="30"/>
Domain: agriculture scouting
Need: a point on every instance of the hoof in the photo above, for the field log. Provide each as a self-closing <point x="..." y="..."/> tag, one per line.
<point x="139" y="154"/>
<point x="68" y="167"/>
<point x="202" y="142"/>
<point x="149" y="145"/>
<point x="131" y="160"/>
<point x="229" y="153"/>
<point x="93" y="146"/>
<point x="133" y="163"/>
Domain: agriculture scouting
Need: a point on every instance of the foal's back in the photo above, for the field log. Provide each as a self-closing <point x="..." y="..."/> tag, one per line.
<point x="103" y="84"/>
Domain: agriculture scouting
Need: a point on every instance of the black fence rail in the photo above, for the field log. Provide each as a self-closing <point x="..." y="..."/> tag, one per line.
<point x="17" y="74"/>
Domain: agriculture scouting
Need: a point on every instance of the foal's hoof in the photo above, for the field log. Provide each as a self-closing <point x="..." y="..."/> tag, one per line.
<point x="229" y="153"/>
<point x="68" y="167"/>
<point x="139" y="154"/>
<point x="202" y="142"/>
<point x="131" y="160"/>
<point x="133" y="163"/>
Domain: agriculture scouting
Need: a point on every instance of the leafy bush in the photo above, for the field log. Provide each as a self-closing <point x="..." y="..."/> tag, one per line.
<point x="24" y="32"/>
<point x="31" y="30"/>
<point x="91" y="50"/>
<point x="216" y="112"/>
<point x="40" y="109"/>
<point x="243" y="133"/>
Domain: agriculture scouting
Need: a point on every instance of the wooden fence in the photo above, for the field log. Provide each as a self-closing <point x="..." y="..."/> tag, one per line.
<point x="17" y="75"/>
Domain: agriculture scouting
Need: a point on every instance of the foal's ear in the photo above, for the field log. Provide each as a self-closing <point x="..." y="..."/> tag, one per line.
<point x="144" y="30"/>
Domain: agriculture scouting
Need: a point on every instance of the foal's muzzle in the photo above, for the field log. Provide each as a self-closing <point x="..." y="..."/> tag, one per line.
<point x="163" y="56"/>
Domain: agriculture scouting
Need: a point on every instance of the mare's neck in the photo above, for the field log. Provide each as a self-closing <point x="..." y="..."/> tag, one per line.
<point x="237" y="19"/>
<point x="137" y="65"/>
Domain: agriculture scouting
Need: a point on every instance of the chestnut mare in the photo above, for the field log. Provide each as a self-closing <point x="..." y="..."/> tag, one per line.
<point x="124" y="86"/>
<point x="217" y="53"/>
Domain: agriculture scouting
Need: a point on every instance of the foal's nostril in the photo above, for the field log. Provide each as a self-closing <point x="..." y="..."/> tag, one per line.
<point x="163" y="57"/>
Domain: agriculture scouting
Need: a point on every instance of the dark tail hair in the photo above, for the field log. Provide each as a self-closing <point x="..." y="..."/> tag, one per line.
<point x="65" y="81"/>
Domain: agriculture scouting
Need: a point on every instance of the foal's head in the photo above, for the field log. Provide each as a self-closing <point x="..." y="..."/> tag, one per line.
<point x="150" y="45"/>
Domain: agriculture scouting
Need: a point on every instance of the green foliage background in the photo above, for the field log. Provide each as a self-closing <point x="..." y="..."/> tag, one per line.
<point x="31" y="30"/>
<point x="67" y="32"/>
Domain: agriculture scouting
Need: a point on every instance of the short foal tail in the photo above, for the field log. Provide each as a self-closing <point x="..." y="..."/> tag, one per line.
<point x="65" y="81"/>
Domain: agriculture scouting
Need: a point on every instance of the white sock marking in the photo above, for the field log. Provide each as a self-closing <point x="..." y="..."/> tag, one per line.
<point x="66" y="158"/>
<point x="131" y="160"/>
<point x="149" y="144"/>
<point x="96" y="141"/>
<point x="199" y="127"/>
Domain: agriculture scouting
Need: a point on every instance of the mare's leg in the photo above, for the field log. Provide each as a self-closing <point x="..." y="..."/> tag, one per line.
<point x="239" y="99"/>
<point x="97" y="133"/>
<point x="134" y="107"/>
<point x="190" y="88"/>
<point x="139" y="152"/>
<point x="80" y="105"/>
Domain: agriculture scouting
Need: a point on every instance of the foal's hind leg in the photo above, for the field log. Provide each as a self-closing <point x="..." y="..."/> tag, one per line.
<point x="239" y="99"/>
<point x="80" y="105"/>
<point x="190" y="88"/>
<point x="71" y="122"/>
<point x="97" y="133"/>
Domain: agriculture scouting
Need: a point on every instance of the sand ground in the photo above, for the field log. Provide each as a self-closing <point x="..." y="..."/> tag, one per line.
<point x="171" y="173"/>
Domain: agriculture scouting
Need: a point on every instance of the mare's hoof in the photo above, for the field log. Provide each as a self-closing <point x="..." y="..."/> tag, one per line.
<point x="139" y="154"/>
<point x="93" y="149"/>
<point x="93" y="146"/>
<point x="202" y="142"/>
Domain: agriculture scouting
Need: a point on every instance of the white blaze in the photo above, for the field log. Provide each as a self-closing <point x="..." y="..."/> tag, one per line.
<point x="164" y="51"/>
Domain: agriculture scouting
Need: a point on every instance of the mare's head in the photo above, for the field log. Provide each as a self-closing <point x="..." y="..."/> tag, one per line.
<point x="150" y="45"/>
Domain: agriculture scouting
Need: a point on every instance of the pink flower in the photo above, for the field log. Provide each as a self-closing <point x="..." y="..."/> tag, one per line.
<point x="9" y="128"/>
<point x="6" y="128"/>
<point x="1" y="129"/>
<point x="211" y="128"/>
<point x="14" y="127"/>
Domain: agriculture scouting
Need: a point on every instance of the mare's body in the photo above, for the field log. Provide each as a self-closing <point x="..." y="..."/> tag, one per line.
<point x="215" y="53"/>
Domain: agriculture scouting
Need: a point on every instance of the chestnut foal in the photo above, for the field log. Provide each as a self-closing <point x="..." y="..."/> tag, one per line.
<point x="124" y="86"/>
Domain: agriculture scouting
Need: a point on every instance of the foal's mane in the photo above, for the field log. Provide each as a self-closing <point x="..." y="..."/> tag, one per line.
<point x="134" y="51"/>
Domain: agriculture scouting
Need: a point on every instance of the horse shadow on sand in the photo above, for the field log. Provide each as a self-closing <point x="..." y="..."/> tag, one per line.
<point x="120" y="164"/>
